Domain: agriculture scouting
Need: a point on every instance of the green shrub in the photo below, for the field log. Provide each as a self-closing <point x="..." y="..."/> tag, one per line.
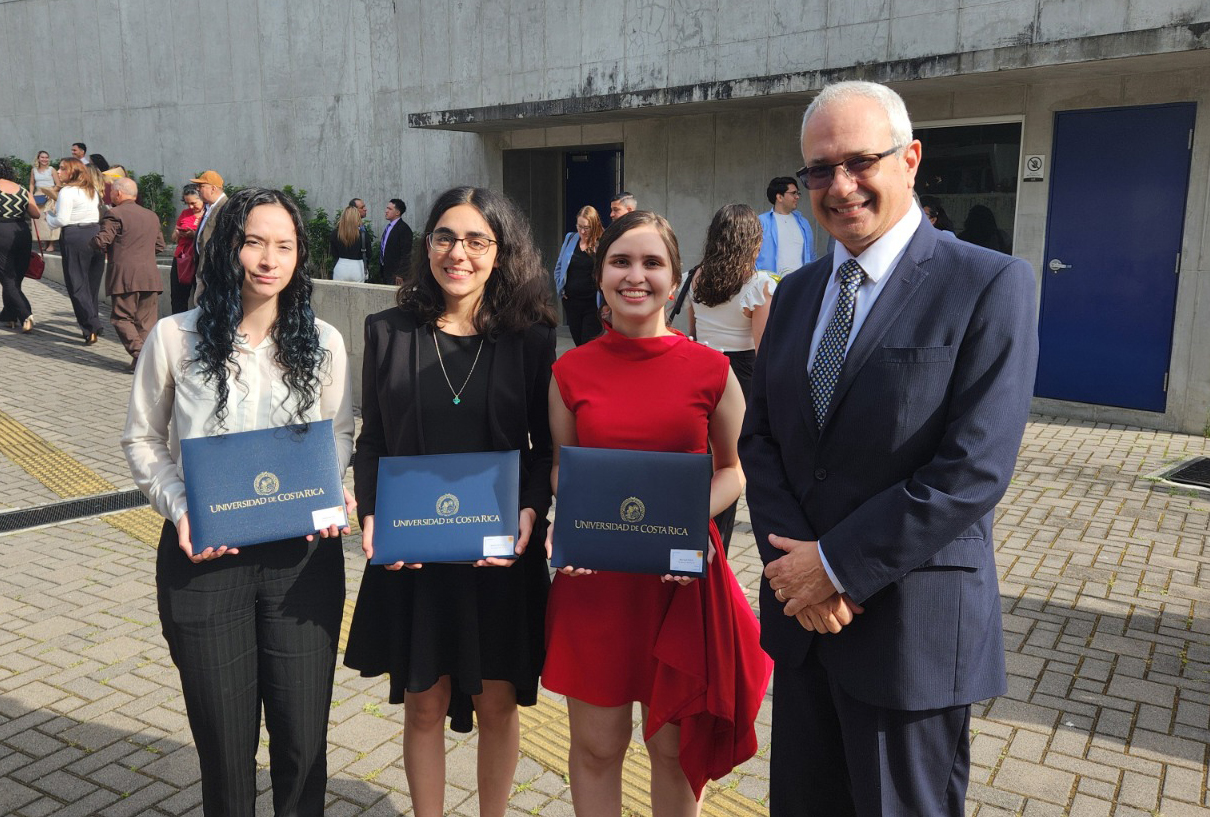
<point x="20" y="170"/>
<point x="158" y="197"/>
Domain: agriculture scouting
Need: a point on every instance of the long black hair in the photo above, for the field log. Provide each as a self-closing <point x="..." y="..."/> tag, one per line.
<point x="294" y="333"/>
<point x="517" y="294"/>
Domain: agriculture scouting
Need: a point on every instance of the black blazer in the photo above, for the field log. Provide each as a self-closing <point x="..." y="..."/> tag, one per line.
<point x="901" y="481"/>
<point x="519" y="380"/>
<point x="397" y="254"/>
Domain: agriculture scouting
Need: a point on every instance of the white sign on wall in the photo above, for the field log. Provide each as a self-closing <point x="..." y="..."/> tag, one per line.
<point x="1035" y="165"/>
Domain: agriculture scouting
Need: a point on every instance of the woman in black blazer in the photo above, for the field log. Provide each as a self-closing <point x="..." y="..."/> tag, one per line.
<point x="461" y="364"/>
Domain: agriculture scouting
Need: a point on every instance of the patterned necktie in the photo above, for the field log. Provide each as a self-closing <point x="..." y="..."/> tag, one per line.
<point x="830" y="356"/>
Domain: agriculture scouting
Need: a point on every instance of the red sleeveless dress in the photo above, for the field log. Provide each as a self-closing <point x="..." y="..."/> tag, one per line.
<point x="691" y="654"/>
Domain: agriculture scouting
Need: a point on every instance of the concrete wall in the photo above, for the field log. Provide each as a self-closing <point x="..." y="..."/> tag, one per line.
<point x="317" y="93"/>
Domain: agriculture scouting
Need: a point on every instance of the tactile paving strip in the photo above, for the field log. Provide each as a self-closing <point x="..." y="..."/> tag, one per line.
<point x="55" y="469"/>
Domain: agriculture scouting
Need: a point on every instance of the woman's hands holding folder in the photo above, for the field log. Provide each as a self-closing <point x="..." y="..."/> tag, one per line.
<point x="367" y="545"/>
<point x="186" y="544"/>
<point x="525" y="528"/>
<point x="333" y="531"/>
<point x="567" y="570"/>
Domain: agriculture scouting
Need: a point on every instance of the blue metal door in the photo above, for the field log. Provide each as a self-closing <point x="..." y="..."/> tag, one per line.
<point x="591" y="179"/>
<point x="1119" y="181"/>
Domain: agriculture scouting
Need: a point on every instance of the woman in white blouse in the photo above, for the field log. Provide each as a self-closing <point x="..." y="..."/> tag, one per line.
<point x="77" y="213"/>
<point x="256" y="627"/>
<point x="730" y="303"/>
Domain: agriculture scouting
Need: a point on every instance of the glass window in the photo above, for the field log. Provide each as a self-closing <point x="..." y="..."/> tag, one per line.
<point x="968" y="180"/>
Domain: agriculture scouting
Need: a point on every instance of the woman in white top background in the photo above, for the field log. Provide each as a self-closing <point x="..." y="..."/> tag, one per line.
<point x="77" y="212"/>
<point x="730" y="303"/>
<point x="255" y="627"/>
<point x="43" y="176"/>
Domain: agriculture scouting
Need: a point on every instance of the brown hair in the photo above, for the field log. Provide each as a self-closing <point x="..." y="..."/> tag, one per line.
<point x="727" y="261"/>
<point x="632" y="220"/>
<point x="590" y="214"/>
<point x="74" y="173"/>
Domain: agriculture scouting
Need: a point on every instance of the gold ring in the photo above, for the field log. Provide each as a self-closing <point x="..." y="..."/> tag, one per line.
<point x="779" y="595"/>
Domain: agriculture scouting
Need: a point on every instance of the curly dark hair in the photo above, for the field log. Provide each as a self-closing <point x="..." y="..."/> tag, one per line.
<point x="517" y="292"/>
<point x="6" y="170"/>
<point x="728" y="260"/>
<point x="221" y="307"/>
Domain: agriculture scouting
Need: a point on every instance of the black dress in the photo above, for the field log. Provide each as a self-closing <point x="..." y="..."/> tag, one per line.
<point x="471" y="623"/>
<point x="580" y="302"/>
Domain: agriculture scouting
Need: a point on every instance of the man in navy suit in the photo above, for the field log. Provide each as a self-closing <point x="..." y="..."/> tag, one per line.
<point x="888" y="403"/>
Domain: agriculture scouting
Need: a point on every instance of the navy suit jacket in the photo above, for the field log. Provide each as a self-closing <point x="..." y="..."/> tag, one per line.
<point x="901" y="481"/>
<point x="397" y="254"/>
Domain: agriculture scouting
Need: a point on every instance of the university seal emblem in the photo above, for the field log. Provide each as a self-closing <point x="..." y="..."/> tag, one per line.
<point x="266" y="483"/>
<point x="633" y="509"/>
<point x="447" y="505"/>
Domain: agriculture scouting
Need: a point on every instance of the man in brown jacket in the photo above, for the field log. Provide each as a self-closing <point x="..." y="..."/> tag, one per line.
<point x="131" y="236"/>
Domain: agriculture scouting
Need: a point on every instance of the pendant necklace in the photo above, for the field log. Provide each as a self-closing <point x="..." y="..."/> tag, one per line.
<point x="457" y="394"/>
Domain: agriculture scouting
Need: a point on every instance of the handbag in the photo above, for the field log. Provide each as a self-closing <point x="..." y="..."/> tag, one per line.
<point x="186" y="265"/>
<point x="37" y="264"/>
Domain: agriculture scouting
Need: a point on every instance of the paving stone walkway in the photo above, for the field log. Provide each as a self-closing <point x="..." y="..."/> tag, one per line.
<point x="1104" y="580"/>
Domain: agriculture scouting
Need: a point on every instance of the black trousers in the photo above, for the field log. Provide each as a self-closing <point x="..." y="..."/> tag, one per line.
<point x="835" y="756"/>
<point x="179" y="292"/>
<point x="583" y="318"/>
<point x="83" y="269"/>
<point x="15" y="246"/>
<point x="251" y="631"/>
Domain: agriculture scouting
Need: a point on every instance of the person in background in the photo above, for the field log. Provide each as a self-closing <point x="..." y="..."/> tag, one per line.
<point x="730" y="304"/>
<point x="686" y="650"/>
<point x="396" y="248"/>
<point x="210" y="188"/>
<point x="981" y="229"/>
<point x="574" y="281"/>
<point x="621" y="204"/>
<point x="935" y="213"/>
<point x="43" y="181"/>
<point x="787" y="242"/>
<point x="131" y="233"/>
<point x="17" y="207"/>
<point x="256" y="628"/>
<point x="184" y="257"/>
<point x="79" y="150"/>
<point x="460" y="365"/>
<point x="348" y="245"/>
<point x="76" y="213"/>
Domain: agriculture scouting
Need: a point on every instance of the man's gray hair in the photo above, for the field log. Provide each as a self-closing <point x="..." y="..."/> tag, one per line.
<point x="891" y="103"/>
<point x="127" y="186"/>
<point x="626" y="200"/>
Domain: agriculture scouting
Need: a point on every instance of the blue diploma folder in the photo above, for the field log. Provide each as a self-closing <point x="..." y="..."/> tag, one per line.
<point x="446" y="507"/>
<point x="633" y="511"/>
<point x="261" y="486"/>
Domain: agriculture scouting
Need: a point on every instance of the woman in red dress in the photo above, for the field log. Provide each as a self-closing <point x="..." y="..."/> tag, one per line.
<point x="687" y="650"/>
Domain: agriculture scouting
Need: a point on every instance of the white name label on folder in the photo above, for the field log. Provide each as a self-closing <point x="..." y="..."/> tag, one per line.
<point x="327" y="517"/>
<point x="685" y="560"/>
<point x="498" y="546"/>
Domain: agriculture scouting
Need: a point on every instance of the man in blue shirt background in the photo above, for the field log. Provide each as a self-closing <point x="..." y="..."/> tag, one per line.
<point x="787" y="242"/>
